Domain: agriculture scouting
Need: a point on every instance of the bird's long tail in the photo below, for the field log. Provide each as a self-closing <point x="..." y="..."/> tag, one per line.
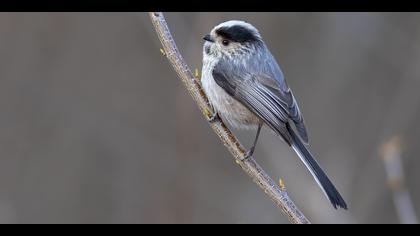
<point x="317" y="172"/>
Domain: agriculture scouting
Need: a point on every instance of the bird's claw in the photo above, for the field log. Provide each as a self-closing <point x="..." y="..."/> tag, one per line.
<point x="215" y="117"/>
<point x="248" y="154"/>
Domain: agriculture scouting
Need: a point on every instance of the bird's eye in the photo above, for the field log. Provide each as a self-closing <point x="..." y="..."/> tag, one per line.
<point x="225" y="42"/>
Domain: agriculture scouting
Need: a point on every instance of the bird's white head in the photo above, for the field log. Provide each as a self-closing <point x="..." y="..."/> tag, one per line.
<point x="230" y="38"/>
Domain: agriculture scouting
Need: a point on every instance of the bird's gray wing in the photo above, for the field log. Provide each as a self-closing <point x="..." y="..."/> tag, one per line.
<point x="263" y="91"/>
<point x="276" y="82"/>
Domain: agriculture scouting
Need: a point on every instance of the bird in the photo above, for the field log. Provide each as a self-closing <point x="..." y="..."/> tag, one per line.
<point x="246" y="88"/>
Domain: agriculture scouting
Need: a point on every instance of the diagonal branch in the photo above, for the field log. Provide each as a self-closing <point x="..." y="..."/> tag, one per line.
<point x="250" y="166"/>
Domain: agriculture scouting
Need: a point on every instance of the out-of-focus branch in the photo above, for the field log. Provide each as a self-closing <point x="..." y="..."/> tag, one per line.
<point x="391" y="155"/>
<point x="250" y="166"/>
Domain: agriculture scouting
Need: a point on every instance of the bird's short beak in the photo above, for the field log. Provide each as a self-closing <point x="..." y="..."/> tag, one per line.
<point x="208" y="38"/>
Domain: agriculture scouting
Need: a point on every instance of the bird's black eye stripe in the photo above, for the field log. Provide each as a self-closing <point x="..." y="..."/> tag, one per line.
<point x="236" y="33"/>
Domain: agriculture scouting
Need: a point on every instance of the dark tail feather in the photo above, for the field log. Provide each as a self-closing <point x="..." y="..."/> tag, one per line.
<point x="319" y="175"/>
<point x="301" y="129"/>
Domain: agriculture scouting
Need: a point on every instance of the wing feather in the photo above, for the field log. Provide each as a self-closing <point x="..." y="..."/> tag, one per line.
<point x="263" y="90"/>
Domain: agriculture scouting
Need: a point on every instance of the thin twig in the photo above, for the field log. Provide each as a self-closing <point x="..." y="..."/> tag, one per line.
<point x="391" y="155"/>
<point x="250" y="166"/>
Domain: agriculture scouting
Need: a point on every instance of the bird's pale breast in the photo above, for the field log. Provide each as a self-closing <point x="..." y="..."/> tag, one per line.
<point x="228" y="108"/>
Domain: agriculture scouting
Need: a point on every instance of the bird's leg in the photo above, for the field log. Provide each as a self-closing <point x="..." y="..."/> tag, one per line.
<point x="215" y="117"/>
<point x="250" y="152"/>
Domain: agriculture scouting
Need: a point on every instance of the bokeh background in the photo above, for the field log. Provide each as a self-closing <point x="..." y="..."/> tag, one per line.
<point x="95" y="127"/>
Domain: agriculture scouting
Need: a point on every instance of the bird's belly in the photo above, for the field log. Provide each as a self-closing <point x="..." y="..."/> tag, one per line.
<point x="229" y="109"/>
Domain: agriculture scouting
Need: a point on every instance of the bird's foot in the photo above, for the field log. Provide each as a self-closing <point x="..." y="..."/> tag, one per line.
<point x="215" y="117"/>
<point x="248" y="154"/>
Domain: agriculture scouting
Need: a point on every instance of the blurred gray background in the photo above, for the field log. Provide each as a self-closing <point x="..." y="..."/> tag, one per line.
<point x="95" y="127"/>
